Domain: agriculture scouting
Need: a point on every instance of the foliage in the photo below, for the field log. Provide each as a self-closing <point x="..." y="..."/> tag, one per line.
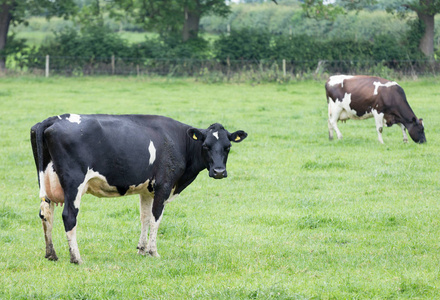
<point x="425" y="10"/>
<point x="73" y="49"/>
<point x="279" y="19"/>
<point x="247" y="44"/>
<point x="21" y="9"/>
<point x="169" y="18"/>
<point x="414" y="35"/>
<point x="317" y="9"/>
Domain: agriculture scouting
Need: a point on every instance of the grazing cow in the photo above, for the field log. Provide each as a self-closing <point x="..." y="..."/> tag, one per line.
<point x="362" y="97"/>
<point x="117" y="155"/>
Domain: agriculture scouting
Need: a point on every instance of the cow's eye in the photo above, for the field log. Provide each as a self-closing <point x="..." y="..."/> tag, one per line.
<point x="227" y="148"/>
<point x="205" y="147"/>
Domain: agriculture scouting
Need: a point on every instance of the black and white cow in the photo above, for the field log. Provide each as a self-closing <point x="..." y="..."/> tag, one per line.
<point x="362" y="97"/>
<point x="117" y="155"/>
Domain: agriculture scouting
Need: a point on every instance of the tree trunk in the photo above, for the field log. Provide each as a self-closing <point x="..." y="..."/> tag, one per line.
<point x="426" y="44"/>
<point x="190" y="25"/>
<point x="5" y="20"/>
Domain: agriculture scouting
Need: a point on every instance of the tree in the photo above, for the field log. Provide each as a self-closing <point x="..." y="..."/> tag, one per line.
<point x="14" y="12"/>
<point x="425" y="10"/>
<point x="170" y="16"/>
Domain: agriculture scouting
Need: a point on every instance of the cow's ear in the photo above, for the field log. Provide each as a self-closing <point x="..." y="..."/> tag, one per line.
<point x="237" y="136"/>
<point x="195" y="134"/>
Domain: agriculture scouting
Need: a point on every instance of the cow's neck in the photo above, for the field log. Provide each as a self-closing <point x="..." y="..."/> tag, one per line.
<point x="194" y="164"/>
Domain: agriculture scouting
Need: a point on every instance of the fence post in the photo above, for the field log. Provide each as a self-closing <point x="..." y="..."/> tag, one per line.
<point x="284" y="68"/>
<point x="113" y="64"/>
<point x="229" y="67"/>
<point x="47" y="65"/>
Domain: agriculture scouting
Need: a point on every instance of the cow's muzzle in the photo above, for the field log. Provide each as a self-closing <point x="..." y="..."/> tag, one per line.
<point x="219" y="173"/>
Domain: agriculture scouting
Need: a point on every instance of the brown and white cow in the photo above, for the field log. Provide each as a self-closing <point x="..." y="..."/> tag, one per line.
<point x="362" y="97"/>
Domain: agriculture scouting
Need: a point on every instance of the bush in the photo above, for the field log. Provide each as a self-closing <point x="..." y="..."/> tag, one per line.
<point x="301" y="50"/>
<point x="244" y="44"/>
<point x="71" y="49"/>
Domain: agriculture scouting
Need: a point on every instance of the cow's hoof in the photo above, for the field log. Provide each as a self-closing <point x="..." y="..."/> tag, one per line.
<point x="52" y="257"/>
<point x="153" y="253"/>
<point x="76" y="261"/>
<point x="141" y="251"/>
<point x="50" y="253"/>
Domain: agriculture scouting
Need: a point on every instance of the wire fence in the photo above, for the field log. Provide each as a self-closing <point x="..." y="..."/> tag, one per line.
<point x="217" y="70"/>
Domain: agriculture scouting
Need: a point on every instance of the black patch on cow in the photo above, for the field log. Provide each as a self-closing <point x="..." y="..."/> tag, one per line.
<point x="122" y="190"/>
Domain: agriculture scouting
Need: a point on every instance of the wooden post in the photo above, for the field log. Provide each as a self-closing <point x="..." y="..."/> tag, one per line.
<point x="47" y="65"/>
<point x="284" y="68"/>
<point x="229" y="67"/>
<point x="113" y="65"/>
<point x="137" y="69"/>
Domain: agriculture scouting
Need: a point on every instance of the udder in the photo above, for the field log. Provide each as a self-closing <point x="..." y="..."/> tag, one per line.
<point x="54" y="190"/>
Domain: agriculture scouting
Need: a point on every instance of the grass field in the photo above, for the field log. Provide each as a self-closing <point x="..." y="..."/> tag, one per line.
<point x="299" y="217"/>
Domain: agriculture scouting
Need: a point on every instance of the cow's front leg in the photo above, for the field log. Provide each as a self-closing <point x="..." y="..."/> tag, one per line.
<point x="405" y="137"/>
<point x="70" y="213"/>
<point x="47" y="208"/>
<point x="146" y="207"/>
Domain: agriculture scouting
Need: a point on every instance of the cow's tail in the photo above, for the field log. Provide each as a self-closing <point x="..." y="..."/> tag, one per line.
<point x="37" y="141"/>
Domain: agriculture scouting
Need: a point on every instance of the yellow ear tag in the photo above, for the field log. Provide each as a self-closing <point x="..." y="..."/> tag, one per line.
<point x="194" y="136"/>
<point x="237" y="138"/>
<point x="42" y="199"/>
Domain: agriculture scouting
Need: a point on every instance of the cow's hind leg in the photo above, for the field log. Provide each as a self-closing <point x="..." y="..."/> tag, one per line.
<point x="46" y="214"/>
<point x="146" y="207"/>
<point x="330" y="127"/>
<point x="334" y="111"/>
<point x="378" y="118"/>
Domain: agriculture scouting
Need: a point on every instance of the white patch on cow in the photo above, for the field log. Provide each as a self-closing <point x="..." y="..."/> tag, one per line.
<point x="74" y="118"/>
<point x="59" y="118"/>
<point x="152" y="151"/>
<point x="84" y="187"/>
<point x="338" y="79"/>
<point x="215" y="134"/>
<point x="97" y="185"/>
<point x="347" y="112"/>
<point x="377" y="84"/>
<point x="42" y="185"/>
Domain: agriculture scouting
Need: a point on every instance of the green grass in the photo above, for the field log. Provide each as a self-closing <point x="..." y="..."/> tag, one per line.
<point x="299" y="217"/>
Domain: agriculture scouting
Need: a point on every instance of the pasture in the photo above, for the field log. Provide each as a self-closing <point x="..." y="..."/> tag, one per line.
<point x="299" y="217"/>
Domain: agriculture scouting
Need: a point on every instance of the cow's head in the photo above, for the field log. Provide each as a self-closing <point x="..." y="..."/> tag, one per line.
<point x="417" y="131"/>
<point x="216" y="143"/>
